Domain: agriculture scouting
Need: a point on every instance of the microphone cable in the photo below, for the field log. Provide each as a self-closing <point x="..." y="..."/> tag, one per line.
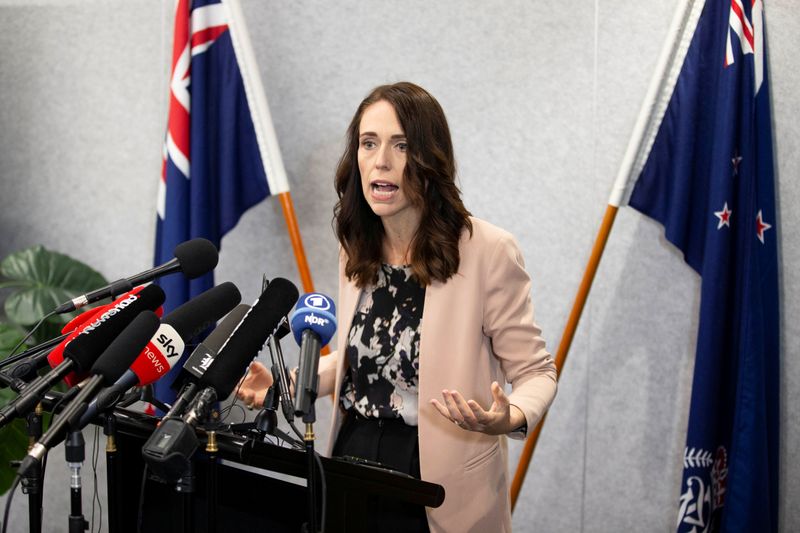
<point x="140" y="513"/>
<point x="13" y="490"/>
<point x="7" y="512"/>
<point x="31" y="332"/>
<point x="95" y="494"/>
<point x="323" y="499"/>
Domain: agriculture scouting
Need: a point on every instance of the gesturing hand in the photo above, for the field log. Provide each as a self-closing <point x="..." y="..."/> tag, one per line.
<point x="502" y="417"/>
<point x="253" y="386"/>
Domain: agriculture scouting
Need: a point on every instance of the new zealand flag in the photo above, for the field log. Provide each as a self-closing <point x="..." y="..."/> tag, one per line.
<point x="709" y="180"/>
<point x="213" y="169"/>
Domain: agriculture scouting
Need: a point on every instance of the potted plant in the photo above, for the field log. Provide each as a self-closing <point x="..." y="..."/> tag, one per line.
<point x="34" y="281"/>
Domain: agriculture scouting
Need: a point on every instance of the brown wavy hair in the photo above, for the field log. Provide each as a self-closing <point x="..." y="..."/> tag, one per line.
<point x="430" y="179"/>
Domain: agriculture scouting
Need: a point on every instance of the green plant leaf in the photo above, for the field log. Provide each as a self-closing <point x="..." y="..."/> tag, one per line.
<point x="36" y="280"/>
<point x="10" y="335"/>
<point x="13" y="437"/>
<point x="43" y="280"/>
<point x="13" y="446"/>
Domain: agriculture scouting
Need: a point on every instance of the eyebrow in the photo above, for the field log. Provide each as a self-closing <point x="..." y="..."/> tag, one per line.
<point x="373" y="134"/>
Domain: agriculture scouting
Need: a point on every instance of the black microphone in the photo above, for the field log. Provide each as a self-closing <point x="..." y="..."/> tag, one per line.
<point x="194" y="258"/>
<point x="167" y="345"/>
<point x="313" y="324"/>
<point x="81" y="350"/>
<point x="169" y="448"/>
<point x="261" y="321"/>
<point x="108" y="368"/>
<point x="202" y="357"/>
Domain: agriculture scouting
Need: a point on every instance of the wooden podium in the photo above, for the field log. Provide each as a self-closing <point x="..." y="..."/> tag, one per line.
<point x="245" y="486"/>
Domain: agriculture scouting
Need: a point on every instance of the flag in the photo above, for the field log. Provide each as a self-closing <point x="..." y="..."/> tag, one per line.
<point x="219" y="155"/>
<point x="708" y="179"/>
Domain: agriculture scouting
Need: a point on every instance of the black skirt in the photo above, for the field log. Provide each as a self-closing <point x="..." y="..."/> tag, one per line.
<point x="395" y="445"/>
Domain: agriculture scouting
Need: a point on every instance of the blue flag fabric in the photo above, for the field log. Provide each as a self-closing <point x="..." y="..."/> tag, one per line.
<point x="709" y="180"/>
<point x="213" y="170"/>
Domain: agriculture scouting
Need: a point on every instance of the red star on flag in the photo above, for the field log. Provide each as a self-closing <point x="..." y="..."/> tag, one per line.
<point x="761" y="227"/>
<point x="724" y="216"/>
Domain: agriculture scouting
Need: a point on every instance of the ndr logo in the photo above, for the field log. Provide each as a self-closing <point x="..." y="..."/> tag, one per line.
<point x="314" y="319"/>
<point x="317" y="301"/>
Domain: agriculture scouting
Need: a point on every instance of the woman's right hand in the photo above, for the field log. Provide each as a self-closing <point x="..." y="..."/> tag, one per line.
<point x="253" y="386"/>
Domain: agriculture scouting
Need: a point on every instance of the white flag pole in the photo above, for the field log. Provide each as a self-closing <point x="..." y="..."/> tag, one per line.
<point x="265" y="134"/>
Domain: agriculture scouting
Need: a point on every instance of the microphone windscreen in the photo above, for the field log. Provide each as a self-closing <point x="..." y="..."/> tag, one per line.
<point x="203" y="311"/>
<point x="97" y="335"/>
<point x="317" y="312"/>
<point x="84" y="318"/>
<point x="249" y="336"/>
<point x="204" y="354"/>
<point x="124" y="349"/>
<point x="217" y="338"/>
<point x="196" y="257"/>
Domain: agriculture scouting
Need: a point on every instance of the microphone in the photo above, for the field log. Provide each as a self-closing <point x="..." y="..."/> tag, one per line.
<point x="169" y="448"/>
<point x="108" y="368"/>
<point x="313" y="324"/>
<point x="166" y="346"/>
<point x="247" y="339"/>
<point x="80" y="350"/>
<point x="202" y="357"/>
<point x="35" y="358"/>
<point x="194" y="258"/>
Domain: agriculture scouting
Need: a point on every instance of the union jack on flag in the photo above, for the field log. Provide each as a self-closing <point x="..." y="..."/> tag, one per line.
<point x="709" y="180"/>
<point x="219" y="155"/>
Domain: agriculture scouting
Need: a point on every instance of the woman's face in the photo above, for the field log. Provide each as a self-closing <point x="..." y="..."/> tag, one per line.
<point x="382" y="161"/>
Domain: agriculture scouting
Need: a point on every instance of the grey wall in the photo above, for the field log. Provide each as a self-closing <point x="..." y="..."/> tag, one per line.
<point x="541" y="98"/>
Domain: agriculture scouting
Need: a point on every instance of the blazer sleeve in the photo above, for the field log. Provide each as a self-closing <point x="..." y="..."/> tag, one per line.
<point x="516" y="339"/>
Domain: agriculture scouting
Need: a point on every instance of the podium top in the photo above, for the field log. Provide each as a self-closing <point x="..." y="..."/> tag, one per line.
<point x="340" y="474"/>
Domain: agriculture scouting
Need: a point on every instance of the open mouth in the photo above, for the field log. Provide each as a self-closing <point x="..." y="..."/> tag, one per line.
<point x="383" y="187"/>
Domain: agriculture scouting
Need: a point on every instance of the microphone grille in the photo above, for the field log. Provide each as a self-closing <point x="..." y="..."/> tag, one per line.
<point x="202" y="311"/>
<point x="123" y="350"/>
<point x="86" y="347"/>
<point x="196" y="257"/>
<point x="249" y="336"/>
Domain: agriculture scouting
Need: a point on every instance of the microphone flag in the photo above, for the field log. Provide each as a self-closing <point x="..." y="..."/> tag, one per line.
<point x="216" y="157"/>
<point x="709" y="180"/>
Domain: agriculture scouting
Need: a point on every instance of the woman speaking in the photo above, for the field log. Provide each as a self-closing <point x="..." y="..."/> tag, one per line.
<point x="435" y="317"/>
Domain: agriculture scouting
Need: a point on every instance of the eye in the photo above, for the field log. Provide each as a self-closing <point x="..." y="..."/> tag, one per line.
<point x="402" y="146"/>
<point x="368" y="144"/>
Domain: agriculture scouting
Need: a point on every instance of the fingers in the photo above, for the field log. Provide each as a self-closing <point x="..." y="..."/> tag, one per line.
<point x="252" y="388"/>
<point x="246" y="395"/>
<point x="467" y="415"/>
<point x="258" y="399"/>
<point x="462" y="411"/>
<point x="441" y="408"/>
<point x="499" y="396"/>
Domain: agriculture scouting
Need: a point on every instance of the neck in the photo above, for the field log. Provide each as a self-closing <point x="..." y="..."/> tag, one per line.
<point x="397" y="241"/>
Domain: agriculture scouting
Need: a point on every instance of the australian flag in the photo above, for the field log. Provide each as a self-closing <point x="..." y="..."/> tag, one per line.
<point x="213" y="170"/>
<point x="709" y="180"/>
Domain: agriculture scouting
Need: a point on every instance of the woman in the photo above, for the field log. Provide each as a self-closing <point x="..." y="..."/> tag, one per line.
<point x="434" y="314"/>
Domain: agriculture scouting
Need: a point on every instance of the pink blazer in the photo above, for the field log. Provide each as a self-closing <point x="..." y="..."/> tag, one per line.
<point x="477" y="328"/>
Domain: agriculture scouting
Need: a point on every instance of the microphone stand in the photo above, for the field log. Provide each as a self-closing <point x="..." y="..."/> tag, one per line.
<point x="75" y="452"/>
<point x="309" y="418"/>
<point x="31" y="352"/>
<point x="266" y="421"/>
<point x="32" y="482"/>
<point x="281" y="376"/>
<point x="185" y="486"/>
<point x="213" y="475"/>
<point x="113" y="483"/>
